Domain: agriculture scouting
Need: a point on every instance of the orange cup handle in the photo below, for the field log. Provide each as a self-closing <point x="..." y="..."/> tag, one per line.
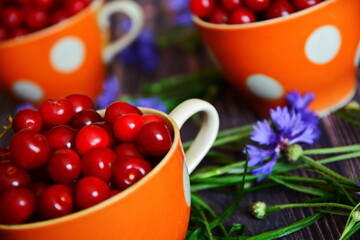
<point x="207" y="133"/>
<point x="133" y="11"/>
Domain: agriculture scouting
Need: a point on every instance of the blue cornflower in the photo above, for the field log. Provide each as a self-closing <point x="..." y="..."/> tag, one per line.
<point x="289" y="126"/>
<point x="111" y="90"/>
<point x="183" y="15"/>
<point x="24" y="105"/>
<point x="142" y="50"/>
<point x="150" y="102"/>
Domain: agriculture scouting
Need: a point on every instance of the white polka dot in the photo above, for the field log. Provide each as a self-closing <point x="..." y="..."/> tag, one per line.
<point x="27" y="90"/>
<point x="264" y="86"/>
<point x="186" y="184"/>
<point x="323" y="44"/>
<point x="67" y="54"/>
<point x="357" y="56"/>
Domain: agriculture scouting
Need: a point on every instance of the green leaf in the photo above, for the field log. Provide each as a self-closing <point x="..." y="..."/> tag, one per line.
<point x="296" y="226"/>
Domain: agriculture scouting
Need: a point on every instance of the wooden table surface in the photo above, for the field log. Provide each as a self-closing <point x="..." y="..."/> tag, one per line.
<point x="234" y="111"/>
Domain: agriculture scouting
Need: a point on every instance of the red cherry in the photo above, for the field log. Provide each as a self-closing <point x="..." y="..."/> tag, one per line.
<point x="13" y="176"/>
<point x="61" y="136"/>
<point x="202" y="8"/>
<point x="154" y="139"/>
<point x="279" y="8"/>
<point x="18" y="32"/>
<point x="84" y="117"/>
<point x="257" y="5"/>
<point x="64" y="166"/>
<point x="27" y="118"/>
<point x="240" y="16"/>
<point x="113" y="192"/>
<point x="230" y="5"/>
<point x="36" y="18"/>
<point x="58" y="16"/>
<point x="108" y="128"/>
<point x="80" y="102"/>
<point x="119" y="108"/>
<point x="12" y="17"/>
<point x="16" y="205"/>
<point x="75" y="6"/>
<point x="55" y="201"/>
<point x="218" y="16"/>
<point x="29" y="149"/>
<point x="129" y="170"/>
<point x="127" y="126"/>
<point x="90" y="191"/>
<point x="151" y="117"/>
<point x="127" y="149"/>
<point x="90" y="137"/>
<point x="302" y="4"/>
<point x="44" y="3"/>
<point x="56" y="111"/>
<point x="98" y="163"/>
<point x="38" y="188"/>
<point x="3" y="33"/>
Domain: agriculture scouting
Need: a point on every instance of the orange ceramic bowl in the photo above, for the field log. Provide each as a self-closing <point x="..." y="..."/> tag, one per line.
<point x="68" y="57"/>
<point x="156" y="207"/>
<point x="314" y="50"/>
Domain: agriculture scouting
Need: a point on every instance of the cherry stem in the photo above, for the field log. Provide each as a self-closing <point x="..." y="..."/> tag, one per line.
<point x="6" y="128"/>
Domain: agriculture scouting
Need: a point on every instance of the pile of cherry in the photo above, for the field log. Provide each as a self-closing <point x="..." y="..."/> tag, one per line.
<point x="21" y="17"/>
<point x="65" y="156"/>
<point x="246" y="11"/>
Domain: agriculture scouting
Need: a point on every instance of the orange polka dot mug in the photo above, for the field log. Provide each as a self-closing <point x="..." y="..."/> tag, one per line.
<point x="156" y="207"/>
<point x="314" y="50"/>
<point x="70" y="56"/>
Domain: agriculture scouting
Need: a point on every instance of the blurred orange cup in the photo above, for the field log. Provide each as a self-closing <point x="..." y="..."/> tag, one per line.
<point x="314" y="50"/>
<point x="157" y="207"/>
<point x="68" y="57"/>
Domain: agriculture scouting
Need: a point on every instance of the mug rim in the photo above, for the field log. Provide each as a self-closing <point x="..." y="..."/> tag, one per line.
<point x="49" y="30"/>
<point x="117" y="197"/>
<point x="203" y="24"/>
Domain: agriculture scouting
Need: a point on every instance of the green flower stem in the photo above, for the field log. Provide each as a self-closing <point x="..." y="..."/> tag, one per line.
<point x="351" y="148"/>
<point x="274" y="208"/>
<point x="353" y="218"/>
<point x="319" y="166"/>
<point x="237" y="168"/>
<point x="339" y="157"/>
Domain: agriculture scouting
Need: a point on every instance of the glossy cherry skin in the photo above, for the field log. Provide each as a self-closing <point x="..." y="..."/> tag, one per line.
<point x="16" y="205"/>
<point x="36" y="18"/>
<point x="90" y="137"/>
<point x="64" y="166"/>
<point x="58" y="16"/>
<point x="56" y="111"/>
<point x="84" y="117"/>
<point x="61" y="136"/>
<point x="230" y="5"/>
<point x="218" y="16"/>
<point x="302" y="4"/>
<point x="154" y="139"/>
<point x="29" y="149"/>
<point x="202" y="8"/>
<point x="27" y="118"/>
<point x="127" y="150"/>
<point x="240" y="16"/>
<point x="98" y="162"/>
<point x="279" y="8"/>
<point x="126" y="127"/>
<point x="13" y="176"/>
<point x="12" y="17"/>
<point x="55" y="201"/>
<point x="151" y="117"/>
<point x="80" y="102"/>
<point x="75" y="6"/>
<point x="119" y="108"/>
<point x="257" y="5"/>
<point x="129" y="170"/>
<point x="90" y="191"/>
<point x="44" y="3"/>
